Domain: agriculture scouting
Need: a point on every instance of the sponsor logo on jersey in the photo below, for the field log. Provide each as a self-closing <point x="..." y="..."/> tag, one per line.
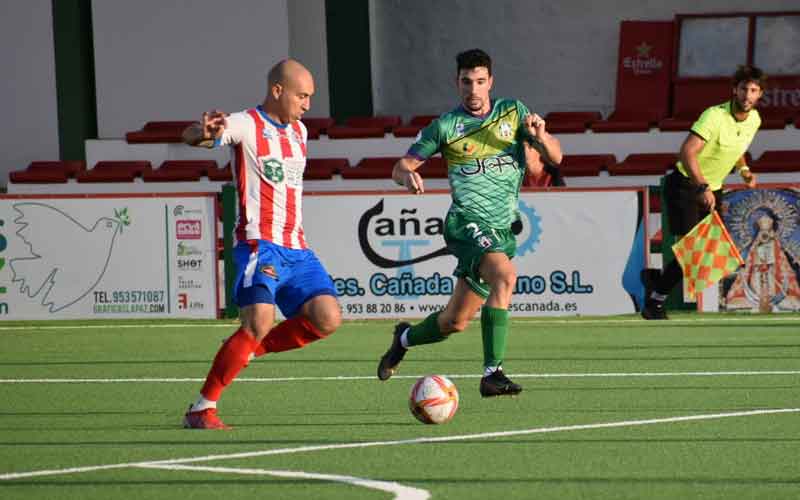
<point x="269" y="271"/>
<point x="273" y="170"/>
<point x="505" y="130"/>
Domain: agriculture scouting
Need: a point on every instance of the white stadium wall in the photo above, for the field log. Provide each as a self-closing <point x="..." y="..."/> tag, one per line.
<point x="157" y="60"/>
<point x="552" y="55"/>
<point x="28" y="85"/>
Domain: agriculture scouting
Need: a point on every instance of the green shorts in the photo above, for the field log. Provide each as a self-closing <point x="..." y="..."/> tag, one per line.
<point x="469" y="239"/>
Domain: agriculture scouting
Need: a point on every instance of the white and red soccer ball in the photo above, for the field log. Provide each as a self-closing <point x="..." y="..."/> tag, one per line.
<point x="433" y="399"/>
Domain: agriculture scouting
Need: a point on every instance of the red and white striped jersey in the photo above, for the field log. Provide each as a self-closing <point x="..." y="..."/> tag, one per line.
<point x="268" y="163"/>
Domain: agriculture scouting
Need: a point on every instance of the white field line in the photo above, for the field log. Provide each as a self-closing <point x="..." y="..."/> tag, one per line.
<point x="372" y="444"/>
<point x="338" y="378"/>
<point x="370" y="323"/>
<point x="400" y="491"/>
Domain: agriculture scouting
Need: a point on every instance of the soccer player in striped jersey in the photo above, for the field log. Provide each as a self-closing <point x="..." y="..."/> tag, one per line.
<point x="273" y="262"/>
<point x="484" y="142"/>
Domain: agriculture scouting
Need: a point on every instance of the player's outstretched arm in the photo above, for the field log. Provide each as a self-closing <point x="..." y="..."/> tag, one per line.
<point x="404" y="173"/>
<point x="551" y="147"/>
<point x="206" y="131"/>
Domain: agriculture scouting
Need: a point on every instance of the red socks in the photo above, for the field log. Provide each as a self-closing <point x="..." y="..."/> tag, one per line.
<point x="289" y="334"/>
<point x="235" y="352"/>
<point x="229" y="361"/>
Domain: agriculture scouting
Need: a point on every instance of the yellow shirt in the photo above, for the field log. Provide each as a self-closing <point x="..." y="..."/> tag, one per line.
<point x="726" y="141"/>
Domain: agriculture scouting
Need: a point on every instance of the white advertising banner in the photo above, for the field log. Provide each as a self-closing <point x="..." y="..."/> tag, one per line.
<point x="387" y="255"/>
<point x="108" y="257"/>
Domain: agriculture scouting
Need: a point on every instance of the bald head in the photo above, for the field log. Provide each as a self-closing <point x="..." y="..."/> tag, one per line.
<point x="285" y="71"/>
<point x="290" y="88"/>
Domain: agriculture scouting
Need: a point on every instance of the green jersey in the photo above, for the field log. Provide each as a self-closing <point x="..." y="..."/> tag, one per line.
<point x="485" y="159"/>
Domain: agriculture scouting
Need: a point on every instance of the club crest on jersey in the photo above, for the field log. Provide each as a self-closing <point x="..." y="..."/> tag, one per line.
<point x="273" y="170"/>
<point x="269" y="271"/>
<point x="468" y="148"/>
<point x="505" y="130"/>
<point x="266" y="133"/>
<point x="459" y="128"/>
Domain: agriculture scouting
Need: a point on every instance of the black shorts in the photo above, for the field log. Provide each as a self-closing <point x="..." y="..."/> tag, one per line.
<point x="684" y="204"/>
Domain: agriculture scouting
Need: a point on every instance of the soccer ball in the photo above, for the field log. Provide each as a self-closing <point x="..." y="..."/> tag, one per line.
<point x="433" y="399"/>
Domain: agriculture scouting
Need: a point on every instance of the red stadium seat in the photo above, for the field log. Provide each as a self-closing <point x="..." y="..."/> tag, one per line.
<point x="321" y="125"/>
<point x="416" y="124"/>
<point x="324" y="168"/>
<point x="627" y="121"/>
<point x="645" y="164"/>
<point x="777" y="161"/>
<point x="433" y="168"/>
<point x="585" y="165"/>
<point x="223" y="174"/>
<point x="45" y="172"/>
<point x="675" y="124"/>
<point x="386" y="122"/>
<point x="344" y="132"/>
<point x="158" y="132"/>
<point x="114" y="171"/>
<point x="422" y="120"/>
<point x="371" y="168"/>
<point x="566" y="127"/>
<point x="407" y="130"/>
<point x="37" y="177"/>
<point x="69" y="167"/>
<point x="570" y="122"/>
<point x="179" y="171"/>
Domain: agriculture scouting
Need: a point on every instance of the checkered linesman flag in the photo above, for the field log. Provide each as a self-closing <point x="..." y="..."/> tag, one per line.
<point x="706" y="254"/>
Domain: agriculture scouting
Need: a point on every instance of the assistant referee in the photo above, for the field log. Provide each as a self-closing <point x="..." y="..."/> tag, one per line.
<point x="716" y="145"/>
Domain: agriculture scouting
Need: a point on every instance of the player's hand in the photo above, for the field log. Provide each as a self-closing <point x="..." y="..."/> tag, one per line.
<point x="413" y="182"/>
<point x="707" y="200"/>
<point x="750" y="180"/>
<point x="213" y="124"/>
<point x="535" y="125"/>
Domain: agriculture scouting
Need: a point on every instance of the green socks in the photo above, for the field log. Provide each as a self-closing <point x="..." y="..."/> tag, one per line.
<point x="494" y="330"/>
<point x="426" y="332"/>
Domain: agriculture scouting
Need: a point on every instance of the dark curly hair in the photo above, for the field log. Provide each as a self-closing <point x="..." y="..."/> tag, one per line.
<point x="473" y="58"/>
<point x="747" y="73"/>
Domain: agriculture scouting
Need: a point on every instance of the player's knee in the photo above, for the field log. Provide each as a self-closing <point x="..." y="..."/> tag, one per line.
<point x="327" y="321"/>
<point x="505" y="281"/>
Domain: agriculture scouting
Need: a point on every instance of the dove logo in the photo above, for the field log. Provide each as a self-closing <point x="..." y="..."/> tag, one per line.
<point x="188" y="229"/>
<point x="55" y="275"/>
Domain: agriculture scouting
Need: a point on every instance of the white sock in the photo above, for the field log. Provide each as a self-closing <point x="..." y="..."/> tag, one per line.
<point x="489" y="370"/>
<point x="203" y="404"/>
<point x="404" y="338"/>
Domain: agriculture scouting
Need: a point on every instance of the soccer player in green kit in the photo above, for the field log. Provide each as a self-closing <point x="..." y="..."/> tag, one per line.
<point x="489" y="145"/>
